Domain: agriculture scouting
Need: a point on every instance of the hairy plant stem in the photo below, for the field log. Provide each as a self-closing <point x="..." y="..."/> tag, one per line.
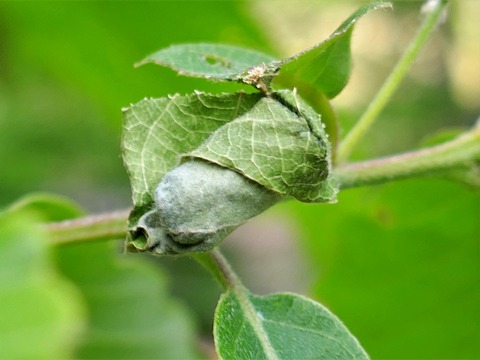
<point x="112" y="225"/>
<point x="391" y="84"/>
<point x="220" y="268"/>
<point x="231" y="283"/>
<point x="460" y="152"/>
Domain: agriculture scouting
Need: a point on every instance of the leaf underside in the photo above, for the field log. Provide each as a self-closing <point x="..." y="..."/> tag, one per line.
<point x="279" y="144"/>
<point x="156" y="132"/>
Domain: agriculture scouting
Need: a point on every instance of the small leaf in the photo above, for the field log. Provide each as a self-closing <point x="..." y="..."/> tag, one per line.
<point x="211" y="61"/>
<point x="325" y="66"/>
<point x="280" y="326"/>
<point x="157" y="131"/>
<point x="41" y="314"/>
<point x="131" y="313"/>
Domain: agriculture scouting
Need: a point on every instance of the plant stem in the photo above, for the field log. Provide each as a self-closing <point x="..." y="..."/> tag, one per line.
<point x="208" y="261"/>
<point x="390" y="85"/>
<point x="462" y="151"/>
<point x="220" y="268"/>
<point x="232" y="284"/>
<point x="107" y="226"/>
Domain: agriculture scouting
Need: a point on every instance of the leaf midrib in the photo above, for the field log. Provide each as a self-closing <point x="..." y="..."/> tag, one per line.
<point x="251" y="315"/>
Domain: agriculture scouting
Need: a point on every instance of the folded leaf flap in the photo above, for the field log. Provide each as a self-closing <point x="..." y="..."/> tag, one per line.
<point x="280" y="143"/>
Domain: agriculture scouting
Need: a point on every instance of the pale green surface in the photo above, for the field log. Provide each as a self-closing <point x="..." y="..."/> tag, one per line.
<point x="157" y="131"/>
<point x="277" y="148"/>
<point x="280" y="326"/>
<point x="326" y="66"/>
<point x="41" y="314"/>
<point x="197" y="204"/>
<point x="211" y="61"/>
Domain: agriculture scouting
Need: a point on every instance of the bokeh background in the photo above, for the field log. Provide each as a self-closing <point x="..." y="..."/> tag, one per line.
<point x="398" y="263"/>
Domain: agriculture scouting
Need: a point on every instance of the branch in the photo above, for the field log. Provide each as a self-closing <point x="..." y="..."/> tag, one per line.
<point x="462" y="151"/>
<point x="106" y="226"/>
<point x="220" y="268"/>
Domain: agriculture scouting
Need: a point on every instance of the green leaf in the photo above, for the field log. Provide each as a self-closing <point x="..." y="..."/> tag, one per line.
<point x="280" y="326"/>
<point x="281" y="144"/>
<point x="131" y="314"/>
<point x="157" y="131"/>
<point x="325" y="66"/>
<point x="210" y="61"/>
<point x="41" y="314"/>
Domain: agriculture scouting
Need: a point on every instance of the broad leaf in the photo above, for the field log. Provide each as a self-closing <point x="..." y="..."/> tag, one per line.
<point x="326" y="66"/>
<point x="211" y="61"/>
<point x="41" y="314"/>
<point x="131" y="314"/>
<point x="157" y="131"/>
<point x="280" y="326"/>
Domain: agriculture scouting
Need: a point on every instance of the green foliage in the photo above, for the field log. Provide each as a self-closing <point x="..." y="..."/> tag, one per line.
<point x="397" y="263"/>
<point x="273" y="139"/>
<point x="280" y="326"/>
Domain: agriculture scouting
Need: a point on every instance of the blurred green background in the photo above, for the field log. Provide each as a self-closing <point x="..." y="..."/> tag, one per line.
<point x="398" y="263"/>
